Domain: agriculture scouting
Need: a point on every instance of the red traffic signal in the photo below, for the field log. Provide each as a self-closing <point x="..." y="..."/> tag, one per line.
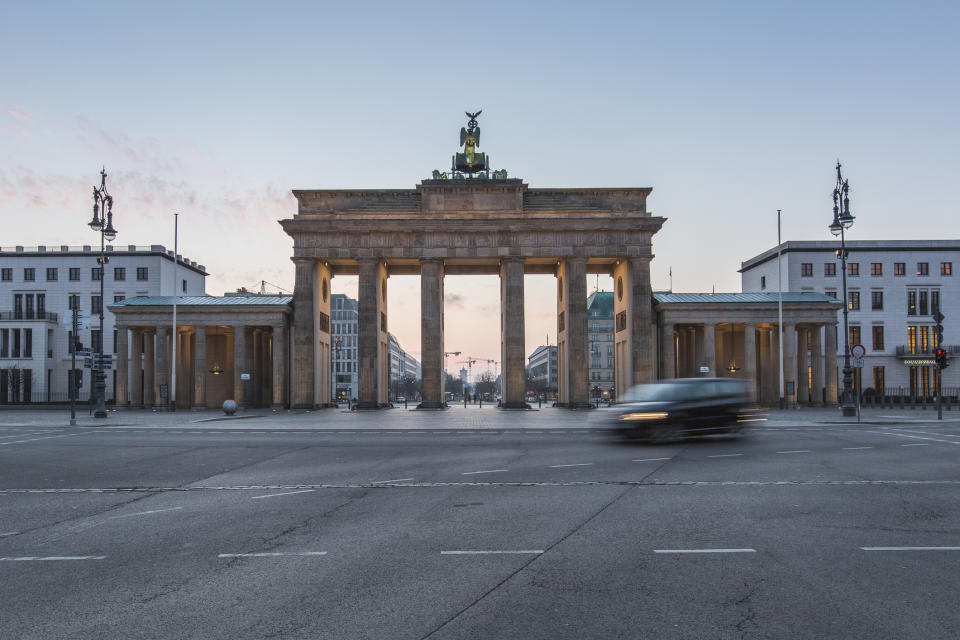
<point x="941" y="355"/>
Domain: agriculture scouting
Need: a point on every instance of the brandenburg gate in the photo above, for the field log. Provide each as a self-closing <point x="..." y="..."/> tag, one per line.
<point x="470" y="221"/>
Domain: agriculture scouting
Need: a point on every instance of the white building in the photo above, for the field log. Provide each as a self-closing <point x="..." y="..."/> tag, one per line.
<point x="600" y="342"/>
<point x="893" y="288"/>
<point x="344" y="323"/>
<point x="402" y="365"/>
<point x="39" y="286"/>
<point x="542" y="369"/>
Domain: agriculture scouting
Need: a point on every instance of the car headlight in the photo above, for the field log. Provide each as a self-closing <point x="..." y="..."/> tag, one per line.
<point x="645" y="415"/>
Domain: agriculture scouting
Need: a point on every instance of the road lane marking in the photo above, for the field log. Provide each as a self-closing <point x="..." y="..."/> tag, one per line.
<point x="649" y="459"/>
<point x="855" y="448"/>
<point x="272" y="554"/>
<point x="288" y="493"/>
<point x="577" y="464"/>
<point x="903" y="435"/>
<point x="726" y="455"/>
<point x="48" y="558"/>
<point x="68" y="435"/>
<point x="8" y="533"/>
<point x="797" y="451"/>
<point x="473" y="473"/>
<point x="397" y="480"/>
<point x="492" y="553"/>
<point x="144" y="513"/>
<point x="916" y="444"/>
<point x="704" y="550"/>
<point x="910" y="548"/>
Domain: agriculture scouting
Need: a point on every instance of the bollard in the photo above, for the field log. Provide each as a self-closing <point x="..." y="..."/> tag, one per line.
<point x="404" y="402"/>
<point x="539" y="402"/>
<point x="481" y="402"/>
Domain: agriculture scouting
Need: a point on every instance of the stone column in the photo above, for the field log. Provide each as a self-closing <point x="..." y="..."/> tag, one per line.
<point x="710" y="348"/>
<point x="816" y="361"/>
<point x="803" y="364"/>
<point x="668" y="352"/>
<point x="830" y="362"/>
<point x="633" y="323"/>
<point x="575" y="365"/>
<point x="431" y="334"/>
<point x="239" y="362"/>
<point x="122" y="398"/>
<point x="790" y="362"/>
<point x="161" y="376"/>
<point x="149" y="369"/>
<point x="199" y="400"/>
<point x="302" y="348"/>
<point x="136" y="368"/>
<point x="278" y="354"/>
<point x="372" y="349"/>
<point x="513" y="357"/>
<point x="750" y="358"/>
<point x="255" y="359"/>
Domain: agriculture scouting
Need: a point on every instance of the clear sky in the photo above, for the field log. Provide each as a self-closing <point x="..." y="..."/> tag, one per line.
<point x="729" y="110"/>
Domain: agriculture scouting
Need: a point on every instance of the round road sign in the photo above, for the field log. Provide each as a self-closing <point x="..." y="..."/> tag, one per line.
<point x="858" y="351"/>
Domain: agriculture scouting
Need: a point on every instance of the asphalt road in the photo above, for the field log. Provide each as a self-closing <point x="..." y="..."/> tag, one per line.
<point x="291" y="528"/>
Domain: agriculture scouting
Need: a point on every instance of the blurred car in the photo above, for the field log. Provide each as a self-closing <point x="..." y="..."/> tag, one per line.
<point x="681" y="407"/>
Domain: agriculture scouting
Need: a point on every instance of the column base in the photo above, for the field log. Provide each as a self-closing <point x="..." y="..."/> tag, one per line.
<point x="278" y="406"/>
<point x="573" y="406"/>
<point x="366" y="406"/>
<point x="198" y="407"/>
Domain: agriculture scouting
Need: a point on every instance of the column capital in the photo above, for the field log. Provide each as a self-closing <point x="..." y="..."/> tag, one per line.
<point x="431" y="260"/>
<point x="512" y="259"/>
<point x="302" y="261"/>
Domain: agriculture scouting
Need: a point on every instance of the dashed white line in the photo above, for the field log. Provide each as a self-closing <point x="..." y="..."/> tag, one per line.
<point x="726" y="455"/>
<point x="387" y="481"/>
<point x="797" y="451"/>
<point x="473" y="473"/>
<point x="855" y="448"/>
<point x="650" y="459"/>
<point x="910" y="548"/>
<point x="287" y="493"/>
<point x="8" y="533"/>
<point x="492" y="553"/>
<point x="576" y="464"/>
<point x="916" y="444"/>
<point x="704" y="550"/>
<point x="48" y="558"/>
<point x="272" y="554"/>
<point x="144" y="513"/>
<point x="68" y="435"/>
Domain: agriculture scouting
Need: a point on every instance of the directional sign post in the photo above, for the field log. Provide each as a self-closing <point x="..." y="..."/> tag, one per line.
<point x="857" y="352"/>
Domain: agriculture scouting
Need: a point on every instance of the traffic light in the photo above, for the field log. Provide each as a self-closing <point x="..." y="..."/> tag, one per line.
<point x="938" y="328"/>
<point x="942" y="359"/>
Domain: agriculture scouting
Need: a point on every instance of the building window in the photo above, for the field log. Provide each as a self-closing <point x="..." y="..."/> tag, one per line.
<point x="878" y="337"/>
<point x="17" y="306"/>
<point x="876" y="300"/>
<point x="95" y="341"/>
<point x="923" y="268"/>
<point x="51" y="274"/>
<point x="117" y="299"/>
<point x="4" y="343"/>
<point x="142" y="273"/>
<point x="899" y="268"/>
<point x="853" y="269"/>
<point x="75" y="274"/>
<point x="831" y="292"/>
<point x="830" y="269"/>
<point x="911" y="302"/>
<point x="119" y="274"/>
<point x="183" y="287"/>
<point x="6" y="274"/>
<point x="934" y="301"/>
<point x="29" y="274"/>
<point x="923" y="304"/>
<point x="15" y="352"/>
<point x="28" y="343"/>
<point x="806" y="270"/>
<point x="96" y="305"/>
<point x="73" y="302"/>
<point x="763" y="282"/>
<point x="876" y="268"/>
<point x="879" y="382"/>
<point x="41" y="305"/>
<point x="853" y="301"/>
<point x="854" y="335"/>
<point x="95" y="274"/>
<point x="946" y="268"/>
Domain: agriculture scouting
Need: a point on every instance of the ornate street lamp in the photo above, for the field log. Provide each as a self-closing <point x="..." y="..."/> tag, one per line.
<point x="843" y="220"/>
<point x="103" y="222"/>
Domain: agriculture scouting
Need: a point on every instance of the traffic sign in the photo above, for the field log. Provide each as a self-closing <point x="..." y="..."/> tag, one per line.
<point x="856" y="363"/>
<point x="858" y="351"/>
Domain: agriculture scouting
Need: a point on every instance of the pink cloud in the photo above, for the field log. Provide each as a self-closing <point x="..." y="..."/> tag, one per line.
<point x="20" y="114"/>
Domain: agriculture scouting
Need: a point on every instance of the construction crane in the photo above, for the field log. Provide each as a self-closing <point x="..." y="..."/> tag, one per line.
<point x="494" y="363"/>
<point x="469" y="362"/>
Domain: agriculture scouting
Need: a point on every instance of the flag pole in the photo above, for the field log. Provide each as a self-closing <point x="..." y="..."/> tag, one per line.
<point x="780" y="306"/>
<point x="173" y="371"/>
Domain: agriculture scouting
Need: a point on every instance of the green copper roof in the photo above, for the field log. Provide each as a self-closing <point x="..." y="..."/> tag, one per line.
<point x="741" y="298"/>
<point x="202" y="301"/>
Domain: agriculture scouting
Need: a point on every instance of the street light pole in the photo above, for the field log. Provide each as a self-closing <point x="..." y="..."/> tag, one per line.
<point x="843" y="220"/>
<point x="103" y="222"/>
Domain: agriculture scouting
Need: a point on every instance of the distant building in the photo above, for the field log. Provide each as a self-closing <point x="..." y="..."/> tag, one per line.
<point x="893" y="289"/>
<point x="600" y="341"/>
<point x="402" y="365"/>
<point x="542" y="369"/>
<point x="39" y="288"/>
<point x="344" y="324"/>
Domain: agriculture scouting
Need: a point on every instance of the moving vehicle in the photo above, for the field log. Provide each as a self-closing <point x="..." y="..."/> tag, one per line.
<point x="681" y="407"/>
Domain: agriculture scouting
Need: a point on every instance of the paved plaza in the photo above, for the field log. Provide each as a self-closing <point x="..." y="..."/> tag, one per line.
<point x="476" y="523"/>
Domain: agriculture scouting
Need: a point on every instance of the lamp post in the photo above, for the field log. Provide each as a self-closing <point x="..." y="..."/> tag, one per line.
<point x="103" y="222"/>
<point x="337" y="342"/>
<point x="843" y="220"/>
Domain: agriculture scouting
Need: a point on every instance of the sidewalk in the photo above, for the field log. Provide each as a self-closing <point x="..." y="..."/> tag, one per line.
<point x="456" y="417"/>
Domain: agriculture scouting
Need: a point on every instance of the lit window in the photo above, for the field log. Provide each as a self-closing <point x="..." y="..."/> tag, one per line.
<point x="923" y="268"/>
<point x="946" y="268"/>
<point x="899" y="268"/>
<point x="830" y="269"/>
<point x="876" y="268"/>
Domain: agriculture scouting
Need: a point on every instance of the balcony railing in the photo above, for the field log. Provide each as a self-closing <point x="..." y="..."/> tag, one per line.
<point x="905" y="351"/>
<point x="28" y="315"/>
